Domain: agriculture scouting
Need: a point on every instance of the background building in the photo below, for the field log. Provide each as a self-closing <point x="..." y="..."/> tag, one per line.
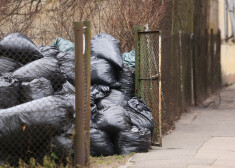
<point x="228" y="45"/>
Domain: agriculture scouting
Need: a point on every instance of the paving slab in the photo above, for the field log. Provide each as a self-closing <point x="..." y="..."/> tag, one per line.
<point x="204" y="138"/>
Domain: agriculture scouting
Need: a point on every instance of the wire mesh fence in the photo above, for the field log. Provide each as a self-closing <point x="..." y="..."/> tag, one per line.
<point x="190" y="73"/>
<point x="207" y="67"/>
<point x="147" y="72"/>
<point x="37" y="116"/>
<point x="37" y="102"/>
<point x="50" y="117"/>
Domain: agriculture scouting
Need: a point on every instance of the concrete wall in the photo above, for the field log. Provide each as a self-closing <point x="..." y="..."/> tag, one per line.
<point x="227" y="48"/>
<point x="215" y="21"/>
<point x="213" y="14"/>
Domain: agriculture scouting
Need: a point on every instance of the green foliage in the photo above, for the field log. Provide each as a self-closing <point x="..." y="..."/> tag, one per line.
<point x="32" y="162"/>
<point x="53" y="156"/>
<point x="52" y="162"/>
<point x="48" y="162"/>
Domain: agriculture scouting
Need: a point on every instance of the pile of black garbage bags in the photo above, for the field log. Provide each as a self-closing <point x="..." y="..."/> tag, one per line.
<point x="37" y="101"/>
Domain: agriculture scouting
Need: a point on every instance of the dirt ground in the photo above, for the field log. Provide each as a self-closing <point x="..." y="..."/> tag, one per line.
<point x="109" y="161"/>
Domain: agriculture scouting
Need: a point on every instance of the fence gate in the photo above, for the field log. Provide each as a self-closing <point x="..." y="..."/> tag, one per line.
<point x="148" y="75"/>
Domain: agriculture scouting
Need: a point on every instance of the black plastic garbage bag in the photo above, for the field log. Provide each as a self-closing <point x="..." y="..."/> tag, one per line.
<point x="67" y="88"/>
<point x="7" y="159"/>
<point x="134" y="140"/>
<point x="44" y="67"/>
<point x="20" y="48"/>
<point x="36" y="89"/>
<point x="127" y="79"/>
<point x="115" y="98"/>
<point x="103" y="73"/>
<point x="100" y="143"/>
<point x="9" y="92"/>
<point x="8" y="65"/>
<point x="98" y="92"/>
<point x="33" y="123"/>
<point x="48" y="51"/>
<point x="67" y="65"/>
<point x="70" y="100"/>
<point x="140" y="114"/>
<point x="93" y="109"/>
<point x="112" y="119"/>
<point x="105" y="46"/>
<point x="63" y="145"/>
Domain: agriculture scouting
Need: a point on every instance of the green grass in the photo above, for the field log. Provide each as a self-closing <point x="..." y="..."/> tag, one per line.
<point x="48" y="162"/>
<point x="96" y="162"/>
<point x="109" y="161"/>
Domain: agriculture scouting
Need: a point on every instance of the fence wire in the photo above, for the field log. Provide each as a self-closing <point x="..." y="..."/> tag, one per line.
<point x="207" y="67"/>
<point x="190" y="69"/>
<point x="148" y="88"/>
<point x="36" y="101"/>
<point x="37" y="93"/>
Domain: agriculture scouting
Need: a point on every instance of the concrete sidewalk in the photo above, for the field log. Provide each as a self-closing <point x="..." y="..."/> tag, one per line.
<point x="203" y="138"/>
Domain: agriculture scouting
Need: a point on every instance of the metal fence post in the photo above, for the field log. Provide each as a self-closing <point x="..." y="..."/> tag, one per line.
<point x="191" y="45"/>
<point x="218" y="48"/>
<point x="181" y="70"/>
<point x="211" y="62"/>
<point x="160" y="90"/>
<point x="87" y="56"/>
<point x="207" y="56"/>
<point x="137" y="58"/>
<point x="194" y="64"/>
<point x="79" y="97"/>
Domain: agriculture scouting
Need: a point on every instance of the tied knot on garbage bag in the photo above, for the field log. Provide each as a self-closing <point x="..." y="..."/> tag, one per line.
<point x="140" y="114"/>
<point x="98" y="92"/>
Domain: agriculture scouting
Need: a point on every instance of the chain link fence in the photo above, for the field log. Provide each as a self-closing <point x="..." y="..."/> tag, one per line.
<point x="38" y="115"/>
<point x="37" y="107"/>
<point x="190" y="73"/>
<point x="207" y="67"/>
<point x="147" y="72"/>
<point x="37" y="91"/>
